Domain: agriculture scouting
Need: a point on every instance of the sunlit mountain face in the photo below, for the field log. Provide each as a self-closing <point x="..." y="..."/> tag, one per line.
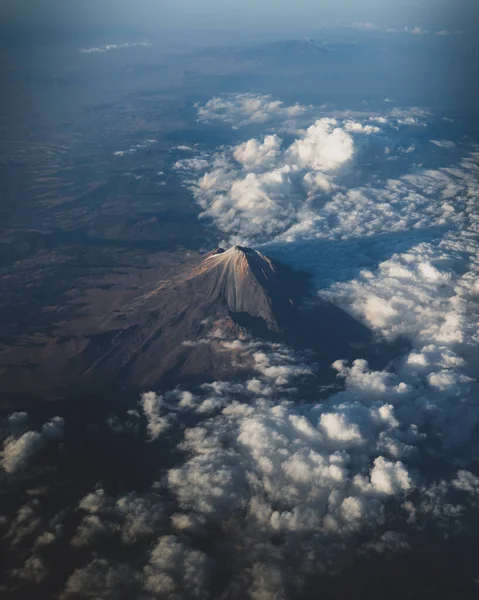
<point x="239" y="314"/>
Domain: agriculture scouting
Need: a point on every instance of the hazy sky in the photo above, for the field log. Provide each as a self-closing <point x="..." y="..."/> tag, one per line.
<point x="235" y="14"/>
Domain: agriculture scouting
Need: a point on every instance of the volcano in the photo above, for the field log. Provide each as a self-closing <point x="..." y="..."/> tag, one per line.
<point x="163" y="333"/>
<point x="238" y="283"/>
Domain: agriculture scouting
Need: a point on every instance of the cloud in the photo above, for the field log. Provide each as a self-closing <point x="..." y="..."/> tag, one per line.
<point x="191" y="164"/>
<point x="365" y="26"/>
<point x="176" y="572"/>
<point x="356" y="127"/>
<point x="255" y="153"/>
<point x="447" y="32"/>
<point x="140" y="146"/>
<point x="33" y="571"/>
<point x="390" y="542"/>
<point x="324" y="147"/>
<point x="98" y="579"/>
<point x="256" y="189"/>
<point x="18" y="452"/>
<point x="265" y="190"/>
<point x="447" y="144"/>
<point x="153" y="407"/>
<point x="416" y="30"/>
<point x="239" y="110"/>
<point x="113" y="47"/>
<point x="283" y="474"/>
<point x="127" y="520"/>
<point x="368" y="26"/>
<point x="20" y="446"/>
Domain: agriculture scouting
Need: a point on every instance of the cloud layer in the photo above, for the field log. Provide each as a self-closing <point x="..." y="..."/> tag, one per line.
<point x="315" y="186"/>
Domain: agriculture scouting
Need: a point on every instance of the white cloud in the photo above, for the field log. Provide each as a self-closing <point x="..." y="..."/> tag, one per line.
<point x="20" y="446"/>
<point x="176" y="572"/>
<point x="254" y="153"/>
<point x="266" y="189"/>
<point x="355" y="127"/>
<point x="97" y="579"/>
<point x="113" y="47"/>
<point x="447" y="32"/>
<point x="447" y="144"/>
<point x="390" y="478"/>
<point x="324" y="147"/>
<point x="257" y="188"/>
<point x="416" y="30"/>
<point x="18" y="452"/>
<point x="245" y="109"/>
<point x="128" y="519"/>
<point x="140" y="146"/>
<point x="191" y="164"/>
<point x="155" y="410"/>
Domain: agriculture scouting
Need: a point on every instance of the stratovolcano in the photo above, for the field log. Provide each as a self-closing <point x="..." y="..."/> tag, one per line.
<point x="164" y="330"/>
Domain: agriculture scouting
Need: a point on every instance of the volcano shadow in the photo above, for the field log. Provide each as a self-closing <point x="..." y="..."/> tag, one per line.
<point x="332" y="334"/>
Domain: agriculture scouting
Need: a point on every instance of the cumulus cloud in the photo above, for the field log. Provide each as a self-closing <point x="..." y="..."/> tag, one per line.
<point x="325" y="469"/>
<point x="356" y="127"/>
<point x="98" y="579"/>
<point x="284" y="474"/>
<point x="154" y="409"/>
<point x="246" y="109"/>
<point x="255" y="153"/>
<point x="266" y="190"/>
<point x="290" y="469"/>
<point x="128" y="519"/>
<point x="20" y="446"/>
<point x="18" y="452"/>
<point x="176" y="572"/>
<point x="258" y="188"/>
<point x="428" y="295"/>
<point x="324" y="147"/>
<point x="275" y="368"/>
<point x="33" y="571"/>
<point x="191" y="164"/>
